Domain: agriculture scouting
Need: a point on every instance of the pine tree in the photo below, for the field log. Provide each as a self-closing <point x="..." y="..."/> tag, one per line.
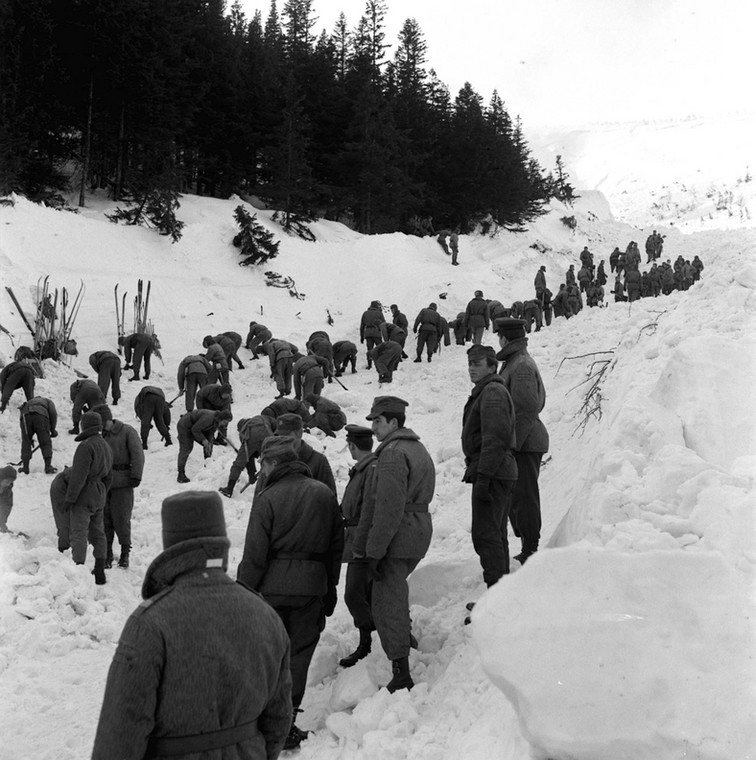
<point x="256" y="244"/>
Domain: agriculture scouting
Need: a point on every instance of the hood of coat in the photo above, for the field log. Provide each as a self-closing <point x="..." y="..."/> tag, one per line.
<point x="283" y="470"/>
<point x="194" y="555"/>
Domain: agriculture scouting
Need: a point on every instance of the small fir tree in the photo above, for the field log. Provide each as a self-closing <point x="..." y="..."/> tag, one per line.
<point x="256" y="244"/>
<point x="155" y="209"/>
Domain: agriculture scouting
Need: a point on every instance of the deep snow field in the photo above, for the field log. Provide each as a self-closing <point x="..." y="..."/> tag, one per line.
<point x="629" y="636"/>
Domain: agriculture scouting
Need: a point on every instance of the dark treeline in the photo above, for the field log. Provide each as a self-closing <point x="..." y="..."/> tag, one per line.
<point x="144" y="97"/>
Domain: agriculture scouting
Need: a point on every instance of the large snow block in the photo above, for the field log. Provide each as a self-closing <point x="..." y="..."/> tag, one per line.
<point x="646" y="656"/>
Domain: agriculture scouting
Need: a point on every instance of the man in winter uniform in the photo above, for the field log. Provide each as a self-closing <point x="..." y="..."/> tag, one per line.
<point x="7" y="477"/>
<point x="327" y="415"/>
<point x="281" y="357"/>
<point x="319" y="344"/>
<point x="38" y="417"/>
<point x="141" y="346"/>
<point x="488" y="437"/>
<point x="388" y="355"/>
<point x="236" y="339"/>
<point x="181" y="684"/>
<point x="229" y="346"/>
<point x="399" y="319"/>
<point x="191" y="376"/>
<point x="216" y="358"/>
<point x="150" y="406"/>
<point x="633" y="284"/>
<point x="459" y="327"/>
<point x="476" y="316"/>
<point x="357" y="590"/>
<point x="586" y="259"/>
<point x="561" y="305"/>
<point x="282" y="406"/>
<point x="85" y="395"/>
<point x="199" y="426"/>
<point x="443" y="236"/>
<point x="128" y="465"/>
<point x="584" y="277"/>
<point x="16" y="375"/>
<point x="454" y="245"/>
<point x="532" y="314"/>
<point x="85" y="497"/>
<point x="344" y="353"/>
<point x="540" y="286"/>
<point x="62" y="517"/>
<point x="216" y="398"/>
<point x="309" y="372"/>
<point x="257" y="334"/>
<point x="523" y="381"/>
<point x="698" y="266"/>
<point x="370" y="328"/>
<point x="395" y="528"/>
<point x="252" y="432"/>
<point x="291" y="425"/>
<point x="428" y="329"/>
<point x="613" y="259"/>
<point x="292" y="556"/>
<point x="107" y="365"/>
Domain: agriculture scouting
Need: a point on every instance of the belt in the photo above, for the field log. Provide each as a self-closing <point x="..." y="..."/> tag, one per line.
<point x="415" y="507"/>
<point x="187" y="745"/>
<point x="121" y="466"/>
<point x="299" y="555"/>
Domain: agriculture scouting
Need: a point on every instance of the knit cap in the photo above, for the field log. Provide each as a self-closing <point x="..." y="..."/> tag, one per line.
<point x="192" y="514"/>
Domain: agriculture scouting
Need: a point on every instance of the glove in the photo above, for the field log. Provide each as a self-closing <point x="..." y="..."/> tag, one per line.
<point x="207" y="448"/>
<point x="134" y="482"/>
<point x="362" y="340"/>
<point x="53" y="434"/>
<point x="375" y="569"/>
<point x="329" y="602"/>
<point x="481" y="489"/>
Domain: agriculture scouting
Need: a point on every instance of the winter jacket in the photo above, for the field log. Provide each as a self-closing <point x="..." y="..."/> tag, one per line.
<point x="287" y="406"/>
<point x="257" y="332"/>
<point x="569" y="277"/>
<point x="319" y="344"/>
<point x="43" y="407"/>
<point x="200" y="425"/>
<point x="476" y="313"/>
<point x="525" y="386"/>
<point x="199" y="655"/>
<point x="343" y="349"/>
<point x="210" y="397"/>
<point x="428" y="320"/>
<point x="395" y="520"/>
<point x="215" y="356"/>
<point x="496" y="309"/>
<point x="90" y="475"/>
<point x="137" y="342"/>
<point x="279" y="349"/>
<point x="387" y="356"/>
<point x="98" y="358"/>
<point x="310" y="362"/>
<point x="146" y="391"/>
<point x="317" y="464"/>
<point x="295" y="538"/>
<point x="584" y="275"/>
<point x="15" y="373"/>
<point x="540" y="282"/>
<point x="632" y="280"/>
<point x="396" y="334"/>
<point x="194" y="364"/>
<point x="370" y="324"/>
<point x="85" y="394"/>
<point x="488" y="431"/>
<point x="358" y="490"/>
<point x="128" y="455"/>
<point x="227" y="345"/>
<point x="400" y="320"/>
<point x="330" y="412"/>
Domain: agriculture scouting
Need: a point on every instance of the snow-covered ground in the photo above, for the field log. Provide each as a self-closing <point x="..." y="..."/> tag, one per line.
<point x="630" y="635"/>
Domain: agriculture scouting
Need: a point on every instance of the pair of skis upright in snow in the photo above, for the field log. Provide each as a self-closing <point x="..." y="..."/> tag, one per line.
<point x="141" y="307"/>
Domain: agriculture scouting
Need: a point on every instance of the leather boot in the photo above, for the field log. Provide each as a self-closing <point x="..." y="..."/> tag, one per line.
<point x="144" y="444"/>
<point x="182" y="476"/>
<point x="24" y="468"/>
<point x="49" y="469"/>
<point x="228" y="490"/>
<point x="402" y="678"/>
<point x="123" y="561"/>
<point x="296" y="735"/>
<point x="168" y="441"/>
<point x="99" y="572"/>
<point x="362" y="651"/>
<point x="109" y="558"/>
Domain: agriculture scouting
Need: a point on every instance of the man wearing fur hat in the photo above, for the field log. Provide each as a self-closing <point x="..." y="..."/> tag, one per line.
<point x="525" y="386"/>
<point x="488" y="436"/>
<point x="292" y="555"/>
<point x="202" y="665"/>
<point x="128" y="465"/>
<point x="198" y="426"/>
<point x="395" y="528"/>
<point x="88" y="484"/>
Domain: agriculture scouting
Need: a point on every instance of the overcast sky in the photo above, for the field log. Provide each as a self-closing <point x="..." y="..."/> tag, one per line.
<point x="558" y="62"/>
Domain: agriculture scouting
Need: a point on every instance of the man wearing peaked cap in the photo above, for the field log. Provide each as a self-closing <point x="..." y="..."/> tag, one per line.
<point x="487" y="440"/>
<point x="395" y="528"/>
<point x="358" y="587"/>
<point x="164" y="696"/>
<point x="292" y="554"/>
<point x="88" y="484"/>
<point x="523" y="381"/>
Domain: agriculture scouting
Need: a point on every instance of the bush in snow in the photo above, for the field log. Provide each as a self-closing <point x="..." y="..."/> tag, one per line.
<point x="152" y="208"/>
